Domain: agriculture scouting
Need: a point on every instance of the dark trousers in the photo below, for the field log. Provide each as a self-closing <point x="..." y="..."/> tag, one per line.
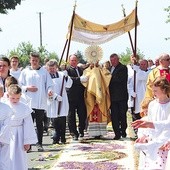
<point x="59" y="124"/>
<point x="118" y="117"/>
<point x="80" y="109"/>
<point x="38" y="117"/>
<point x="135" y="116"/>
<point x="46" y="122"/>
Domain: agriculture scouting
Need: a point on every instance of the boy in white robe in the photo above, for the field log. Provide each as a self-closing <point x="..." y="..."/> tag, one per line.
<point x="15" y="71"/>
<point x="5" y="113"/>
<point x="22" y="129"/>
<point x="58" y="106"/>
<point x="12" y="80"/>
<point x="36" y="83"/>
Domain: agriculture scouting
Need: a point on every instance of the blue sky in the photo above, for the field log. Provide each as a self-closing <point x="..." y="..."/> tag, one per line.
<point x="22" y="25"/>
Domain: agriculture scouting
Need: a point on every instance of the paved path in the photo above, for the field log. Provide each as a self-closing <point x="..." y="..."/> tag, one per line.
<point x="86" y="154"/>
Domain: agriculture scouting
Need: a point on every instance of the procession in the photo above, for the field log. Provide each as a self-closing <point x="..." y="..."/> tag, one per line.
<point x="69" y="113"/>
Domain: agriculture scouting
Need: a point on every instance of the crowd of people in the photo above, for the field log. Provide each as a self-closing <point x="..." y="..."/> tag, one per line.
<point x="95" y="95"/>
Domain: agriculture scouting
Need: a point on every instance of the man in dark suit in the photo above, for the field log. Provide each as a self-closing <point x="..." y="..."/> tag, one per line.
<point x="76" y="99"/>
<point x="118" y="96"/>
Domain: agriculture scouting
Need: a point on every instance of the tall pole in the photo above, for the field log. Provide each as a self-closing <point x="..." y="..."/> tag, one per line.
<point x="136" y="23"/>
<point x="130" y="38"/>
<point x="40" y="29"/>
<point x="135" y="49"/>
<point x="71" y="30"/>
<point x="69" y="41"/>
<point x="63" y="52"/>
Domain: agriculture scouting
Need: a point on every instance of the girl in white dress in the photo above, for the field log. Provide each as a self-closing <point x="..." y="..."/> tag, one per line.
<point x="22" y="129"/>
<point x="152" y="141"/>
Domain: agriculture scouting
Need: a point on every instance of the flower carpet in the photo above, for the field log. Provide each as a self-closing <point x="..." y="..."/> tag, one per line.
<point x="89" y="154"/>
<point x="100" y="154"/>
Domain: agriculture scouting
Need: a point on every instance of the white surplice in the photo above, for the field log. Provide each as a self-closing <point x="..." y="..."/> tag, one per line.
<point x="22" y="132"/>
<point x="5" y="114"/>
<point x="140" y="87"/>
<point x="42" y="80"/>
<point x="52" y="111"/>
<point x="16" y="73"/>
<point x="24" y="99"/>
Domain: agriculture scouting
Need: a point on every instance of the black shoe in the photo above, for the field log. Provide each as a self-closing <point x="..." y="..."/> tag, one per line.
<point x="39" y="147"/>
<point x="116" y="138"/>
<point x="97" y="137"/>
<point x="81" y="135"/>
<point x="75" y="137"/>
<point x="81" y="132"/>
<point x="124" y="135"/>
<point x="46" y="129"/>
<point x="55" y="142"/>
<point x="63" y="143"/>
<point x="63" y="140"/>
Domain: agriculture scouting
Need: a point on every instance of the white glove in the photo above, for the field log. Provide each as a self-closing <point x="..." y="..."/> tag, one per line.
<point x="84" y="79"/>
<point x="133" y="94"/>
<point x="58" y="97"/>
<point x="65" y="73"/>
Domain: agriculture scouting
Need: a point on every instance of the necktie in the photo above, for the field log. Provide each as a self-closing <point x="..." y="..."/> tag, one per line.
<point x="76" y="69"/>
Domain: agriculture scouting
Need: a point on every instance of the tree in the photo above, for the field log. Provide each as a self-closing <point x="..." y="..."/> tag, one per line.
<point x="168" y="18"/>
<point x="125" y="57"/>
<point x="8" y="4"/>
<point x="24" y="49"/>
<point x="80" y="57"/>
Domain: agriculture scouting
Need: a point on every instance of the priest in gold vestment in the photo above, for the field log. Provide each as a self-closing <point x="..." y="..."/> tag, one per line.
<point x="97" y="99"/>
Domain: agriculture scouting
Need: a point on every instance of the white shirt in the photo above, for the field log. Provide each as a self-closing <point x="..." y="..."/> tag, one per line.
<point x="42" y="80"/>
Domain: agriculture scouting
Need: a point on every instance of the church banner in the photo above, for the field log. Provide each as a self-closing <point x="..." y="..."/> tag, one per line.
<point x="91" y="33"/>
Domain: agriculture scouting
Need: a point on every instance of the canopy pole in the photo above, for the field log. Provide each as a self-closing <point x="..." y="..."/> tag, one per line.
<point x="69" y="41"/>
<point x="71" y="30"/>
<point x="61" y="58"/>
<point x="135" y="49"/>
<point x="130" y="38"/>
<point x="136" y="22"/>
